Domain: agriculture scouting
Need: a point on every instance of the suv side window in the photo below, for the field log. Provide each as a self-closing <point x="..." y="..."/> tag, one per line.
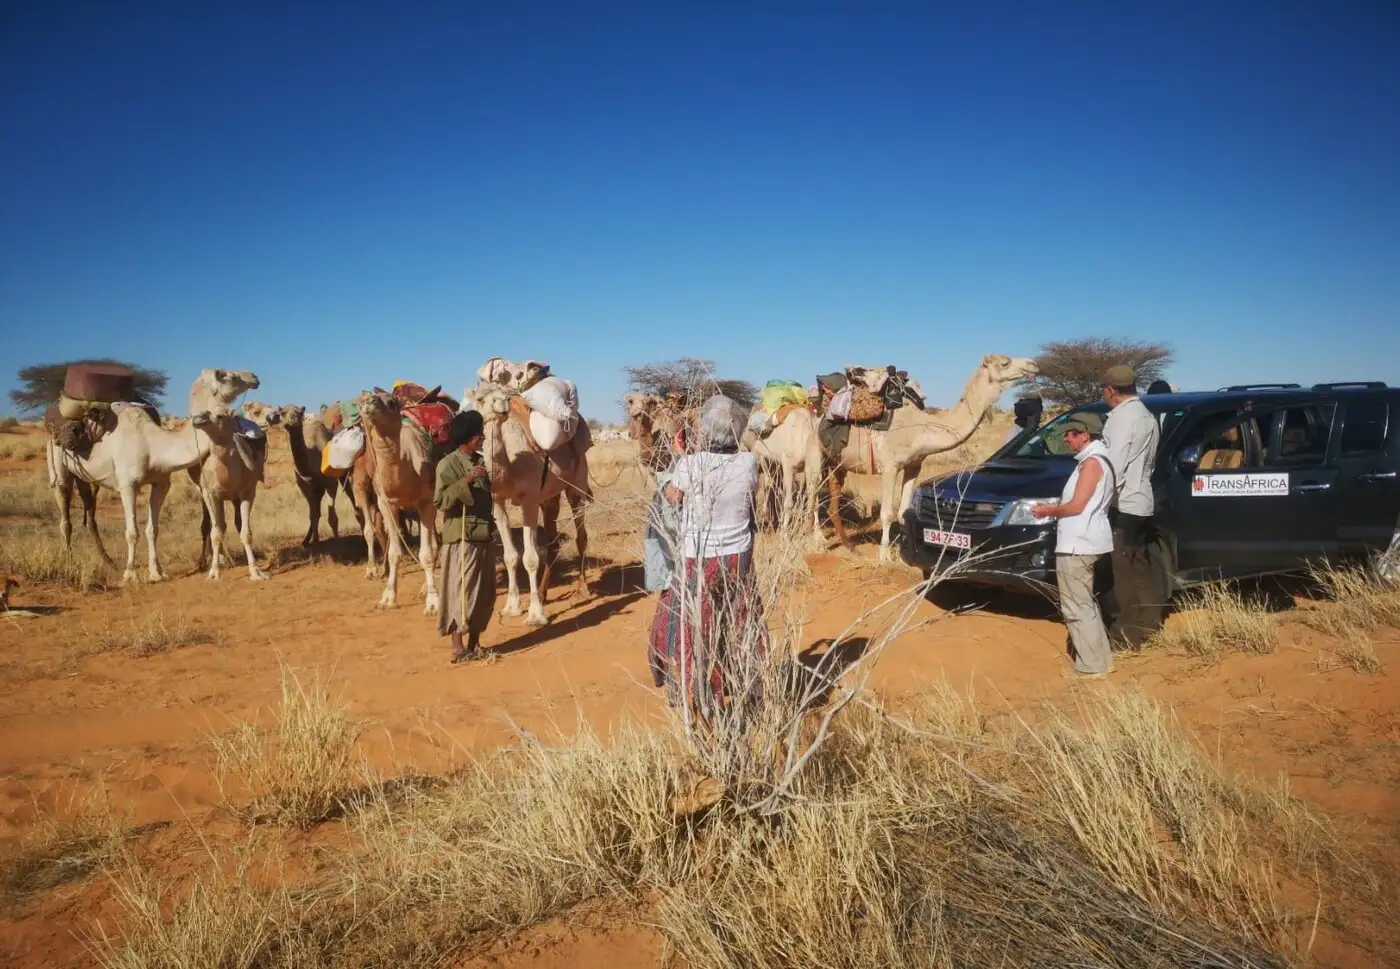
<point x="1365" y="422"/>
<point x="1300" y="436"/>
<point x="1226" y="442"/>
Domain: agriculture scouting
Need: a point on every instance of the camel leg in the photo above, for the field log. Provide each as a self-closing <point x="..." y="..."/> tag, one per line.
<point x="331" y="517"/>
<point x="312" y="494"/>
<point x="87" y="494"/>
<point x="549" y="523"/>
<point x="534" y="616"/>
<point x="246" y="533"/>
<point x="372" y="563"/>
<point x="512" y="557"/>
<point x="206" y="524"/>
<point x="365" y="510"/>
<point x="63" y="494"/>
<point x="906" y="495"/>
<point x="427" y="556"/>
<point x="389" y="598"/>
<point x="811" y="473"/>
<point x="577" y="506"/>
<point x="159" y="489"/>
<point x="128" y="493"/>
<point x="214" y="508"/>
<point x="833" y="486"/>
<point x="789" y="482"/>
<point x="892" y="483"/>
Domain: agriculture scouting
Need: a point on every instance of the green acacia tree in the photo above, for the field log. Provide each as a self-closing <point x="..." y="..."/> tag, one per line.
<point x="692" y="376"/>
<point x="1070" y="370"/>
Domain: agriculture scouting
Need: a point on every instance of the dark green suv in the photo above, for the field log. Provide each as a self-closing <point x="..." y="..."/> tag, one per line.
<point x="1249" y="480"/>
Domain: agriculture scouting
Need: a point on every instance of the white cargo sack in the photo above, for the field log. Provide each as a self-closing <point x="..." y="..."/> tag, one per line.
<point x="554" y="397"/>
<point x="553" y="404"/>
<point x="549" y="433"/>
<point x="345" y="447"/>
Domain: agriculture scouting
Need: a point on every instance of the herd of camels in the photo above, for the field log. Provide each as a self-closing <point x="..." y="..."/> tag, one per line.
<point x="394" y="473"/>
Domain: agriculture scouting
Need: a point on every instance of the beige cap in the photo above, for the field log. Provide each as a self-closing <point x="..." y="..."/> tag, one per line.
<point x="1120" y="376"/>
<point x="1089" y="423"/>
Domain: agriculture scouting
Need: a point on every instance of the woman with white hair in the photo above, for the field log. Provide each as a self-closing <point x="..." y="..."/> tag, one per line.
<point x="718" y="605"/>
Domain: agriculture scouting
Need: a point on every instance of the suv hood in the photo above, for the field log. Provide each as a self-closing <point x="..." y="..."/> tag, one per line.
<point x="1009" y="478"/>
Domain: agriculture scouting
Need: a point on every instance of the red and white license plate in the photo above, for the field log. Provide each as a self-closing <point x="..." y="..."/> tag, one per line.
<point x="950" y="539"/>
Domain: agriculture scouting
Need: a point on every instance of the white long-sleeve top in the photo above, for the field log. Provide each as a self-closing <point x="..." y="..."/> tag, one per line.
<point x="1130" y="436"/>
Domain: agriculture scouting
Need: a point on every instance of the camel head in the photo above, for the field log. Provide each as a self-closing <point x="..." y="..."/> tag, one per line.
<point x="261" y="414"/>
<point x="641" y="411"/>
<point x="380" y="408"/>
<point x="497" y="370"/>
<point x="528" y="374"/>
<point x="1005" y="371"/>
<point x="493" y="401"/>
<point x="291" y="415"/>
<point x="218" y="389"/>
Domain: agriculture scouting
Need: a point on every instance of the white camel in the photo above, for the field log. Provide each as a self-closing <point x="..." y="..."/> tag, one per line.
<point x="233" y="470"/>
<point x="793" y="448"/>
<point x="896" y="454"/>
<point x="533" y="483"/>
<point x="134" y="453"/>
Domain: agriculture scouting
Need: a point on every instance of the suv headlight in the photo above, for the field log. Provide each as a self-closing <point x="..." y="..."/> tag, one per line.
<point x="1020" y="512"/>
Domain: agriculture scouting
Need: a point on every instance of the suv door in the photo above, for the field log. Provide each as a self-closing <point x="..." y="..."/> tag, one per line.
<point x="1251" y="491"/>
<point x="1300" y="446"/>
<point x="1368" y="487"/>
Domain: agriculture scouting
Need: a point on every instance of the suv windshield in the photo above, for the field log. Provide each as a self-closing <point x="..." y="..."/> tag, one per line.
<point x="1048" y="441"/>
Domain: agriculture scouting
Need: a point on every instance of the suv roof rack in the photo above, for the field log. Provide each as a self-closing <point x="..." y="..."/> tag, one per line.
<point x="1234" y="387"/>
<point x="1346" y="384"/>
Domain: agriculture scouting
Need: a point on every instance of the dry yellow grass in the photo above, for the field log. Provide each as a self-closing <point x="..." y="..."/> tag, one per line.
<point x="83" y="835"/>
<point x="21" y="446"/>
<point x="921" y="842"/>
<point x="153" y="632"/>
<point x="1358" y="604"/>
<point x="1215" y="620"/>
<point x="297" y="772"/>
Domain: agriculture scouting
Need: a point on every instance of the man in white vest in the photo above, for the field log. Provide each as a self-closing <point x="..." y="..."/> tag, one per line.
<point x="1083" y="535"/>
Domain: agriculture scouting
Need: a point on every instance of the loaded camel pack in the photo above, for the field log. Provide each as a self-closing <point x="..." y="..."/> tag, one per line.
<point x="861" y="396"/>
<point x="92" y="395"/>
<point x="430" y="411"/>
<point x="544" y="405"/>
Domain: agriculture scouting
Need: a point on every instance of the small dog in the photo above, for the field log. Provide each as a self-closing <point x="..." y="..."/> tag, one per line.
<point x="9" y="582"/>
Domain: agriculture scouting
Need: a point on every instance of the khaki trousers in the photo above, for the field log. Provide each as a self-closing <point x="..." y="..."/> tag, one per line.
<point x="1087" y="636"/>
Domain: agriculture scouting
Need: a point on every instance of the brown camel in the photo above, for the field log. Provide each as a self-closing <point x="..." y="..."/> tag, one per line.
<point x="533" y="483"/>
<point x="306" y="438"/>
<point x="401" y="468"/>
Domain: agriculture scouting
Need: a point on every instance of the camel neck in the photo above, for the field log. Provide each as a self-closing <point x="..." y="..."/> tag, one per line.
<point x="301" y="457"/>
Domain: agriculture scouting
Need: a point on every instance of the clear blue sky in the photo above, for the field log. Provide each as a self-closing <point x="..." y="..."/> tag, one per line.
<point x="338" y="195"/>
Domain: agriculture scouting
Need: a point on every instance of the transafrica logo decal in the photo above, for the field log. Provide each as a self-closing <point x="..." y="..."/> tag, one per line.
<point x="1239" y="485"/>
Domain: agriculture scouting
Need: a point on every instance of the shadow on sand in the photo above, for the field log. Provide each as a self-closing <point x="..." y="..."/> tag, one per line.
<point x="821" y="665"/>
<point x="566" y="624"/>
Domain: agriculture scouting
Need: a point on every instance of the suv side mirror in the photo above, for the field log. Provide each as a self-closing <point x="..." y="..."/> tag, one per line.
<point x="1189" y="459"/>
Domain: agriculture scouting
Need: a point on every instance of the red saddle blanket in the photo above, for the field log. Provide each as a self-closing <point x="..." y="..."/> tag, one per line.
<point x="435" y="419"/>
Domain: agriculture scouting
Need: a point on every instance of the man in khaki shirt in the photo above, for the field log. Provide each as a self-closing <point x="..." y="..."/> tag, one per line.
<point x="1131" y="436"/>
